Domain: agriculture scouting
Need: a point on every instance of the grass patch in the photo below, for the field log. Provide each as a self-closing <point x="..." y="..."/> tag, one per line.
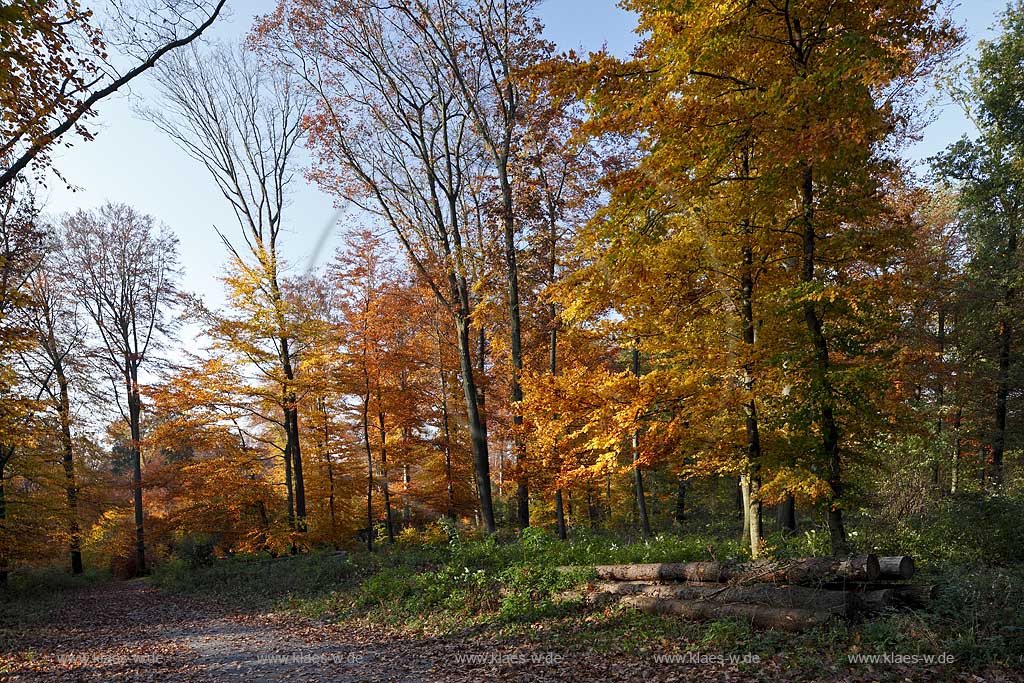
<point x="459" y="584"/>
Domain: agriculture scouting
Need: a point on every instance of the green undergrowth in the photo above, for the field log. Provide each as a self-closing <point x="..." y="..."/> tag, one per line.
<point x="452" y="583"/>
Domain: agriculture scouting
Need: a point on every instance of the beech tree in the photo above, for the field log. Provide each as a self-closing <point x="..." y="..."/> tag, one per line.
<point x="391" y="135"/>
<point x="58" y="357"/>
<point x="241" y="120"/>
<point x="986" y="173"/>
<point x="124" y="270"/>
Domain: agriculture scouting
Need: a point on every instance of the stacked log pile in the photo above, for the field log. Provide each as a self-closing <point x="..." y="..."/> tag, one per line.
<point x="791" y="595"/>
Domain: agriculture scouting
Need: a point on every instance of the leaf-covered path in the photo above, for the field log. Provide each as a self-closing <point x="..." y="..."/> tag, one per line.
<point x="133" y="632"/>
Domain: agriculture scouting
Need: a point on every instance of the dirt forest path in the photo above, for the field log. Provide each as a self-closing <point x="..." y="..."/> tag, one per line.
<point x="133" y="632"/>
<point x="128" y="631"/>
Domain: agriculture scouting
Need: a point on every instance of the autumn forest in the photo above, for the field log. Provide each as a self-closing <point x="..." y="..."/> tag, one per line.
<point x="697" y="301"/>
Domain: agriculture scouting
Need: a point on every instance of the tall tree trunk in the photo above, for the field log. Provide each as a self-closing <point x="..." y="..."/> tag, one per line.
<point x="369" y="461"/>
<point x="446" y="433"/>
<point x="822" y="382"/>
<point x="553" y="368"/>
<point x="1002" y="396"/>
<point x="680" y="513"/>
<point x="291" y="408"/>
<point x="330" y="471"/>
<point x="477" y="427"/>
<point x="68" y="448"/>
<point x="787" y="513"/>
<point x="388" y="518"/>
<point x="638" y="477"/>
<point x="406" y="508"/>
<point x="745" y="507"/>
<point x="940" y="394"/>
<point x="6" y="452"/>
<point x="134" y="417"/>
<point x="753" y="500"/>
<point x="1003" y="382"/>
<point x="288" y="483"/>
<point x="954" y="470"/>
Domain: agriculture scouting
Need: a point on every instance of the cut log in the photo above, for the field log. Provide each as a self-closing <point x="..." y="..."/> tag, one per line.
<point x="915" y="594"/>
<point x="909" y="594"/>
<point x="671" y="571"/>
<point x="873" y="601"/>
<point x="836" y="602"/>
<point x="812" y="570"/>
<point x="760" y="616"/>
<point x="900" y="567"/>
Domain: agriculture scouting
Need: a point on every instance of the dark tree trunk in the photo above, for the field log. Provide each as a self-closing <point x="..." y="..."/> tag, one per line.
<point x="68" y="459"/>
<point x="134" y="417"/>
<point x="940" y="393"/>
<point x="385" y="489"/>
<point x="5" y="456"/>
<point x="292" y="423"/>
<point x="330" y="472"/>
<point x="512" y="274"/>
<point x="638" y="476"/>
<point x="787" y="513"/>
<point x="288" y="483"/>
<point x="553" y="368"/>
<point x="680" y="514"/>
<point x="477" y="426"/>
<point x="821" y="381"/>
<point x="369" y="461"/>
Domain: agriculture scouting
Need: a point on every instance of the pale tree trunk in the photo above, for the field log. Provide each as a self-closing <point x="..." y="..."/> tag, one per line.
<point x="752" y="500"/>
<point x="954" y="470"/>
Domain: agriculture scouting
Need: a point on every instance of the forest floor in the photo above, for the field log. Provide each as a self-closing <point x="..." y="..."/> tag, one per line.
<point x="131" y="631"/>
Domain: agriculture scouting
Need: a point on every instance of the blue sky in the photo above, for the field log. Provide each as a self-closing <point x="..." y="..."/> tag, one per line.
<point x="132" y="162"/>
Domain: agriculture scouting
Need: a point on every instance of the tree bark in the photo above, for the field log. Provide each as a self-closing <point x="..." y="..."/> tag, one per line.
<point x="638" y="477"/>
<point x="787" y="513"/>
<point x="68" y="460"/>
<point x="680" y="514"/>
<point x="477" y="427"/>
<point x="899" y="567"/>
<point x="134" y="416"/>
<point x="385" y="489"/>
<point x="822" y="367"/>
<point x="954" y="470"/>
<point x="369" y="460"/>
